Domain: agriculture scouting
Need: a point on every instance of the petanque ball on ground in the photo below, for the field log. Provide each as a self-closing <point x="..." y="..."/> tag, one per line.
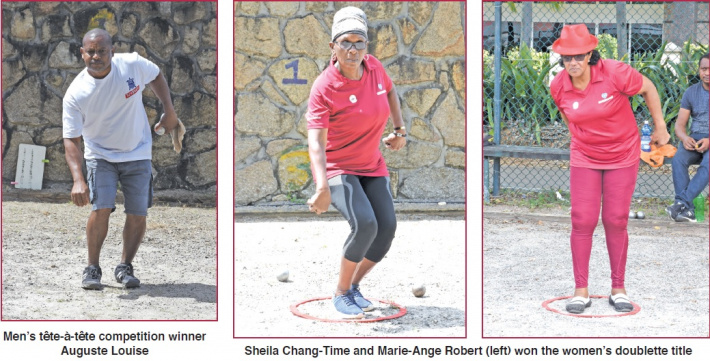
<point x="283" y="276"/>
<point x="419" y="291"/>
<point x="632" y="214"/>
<point x="640" y="215"/>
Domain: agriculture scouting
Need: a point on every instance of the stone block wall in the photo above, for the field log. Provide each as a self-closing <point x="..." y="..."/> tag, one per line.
<point x="40" y="58"/>
<point x="279" y="50"/>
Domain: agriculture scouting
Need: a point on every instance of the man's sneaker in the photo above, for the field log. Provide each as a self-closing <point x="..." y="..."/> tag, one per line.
<point x="674" y="209"/>
<point x="361" y="301"/>
<point x="91" y="278"/>
<point x="345" y="305"/>
<point x="685" y="215"/>
<point x="124" y="275"/>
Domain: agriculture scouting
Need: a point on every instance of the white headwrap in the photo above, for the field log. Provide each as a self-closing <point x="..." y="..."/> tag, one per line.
<point x="349" y="20"/>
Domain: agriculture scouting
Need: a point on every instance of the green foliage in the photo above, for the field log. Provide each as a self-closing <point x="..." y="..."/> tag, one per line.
<point x="554" y="5"/>
<point x="525" y="94"/>
<point x="671" y="79"/>
<point x="547" y="199"/>
<point x="607" y="47"/>
<point x="533" y="200"/>
<point x="294" y="194"/>
<point x="524" y="89"/>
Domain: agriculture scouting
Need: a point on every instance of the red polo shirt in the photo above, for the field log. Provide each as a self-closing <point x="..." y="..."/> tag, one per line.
<point x="604" y="131"/>
<point x="355" y="113"/>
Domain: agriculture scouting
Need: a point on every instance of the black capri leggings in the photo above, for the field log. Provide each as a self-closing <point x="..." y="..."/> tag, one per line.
<point x="366" y="203"/>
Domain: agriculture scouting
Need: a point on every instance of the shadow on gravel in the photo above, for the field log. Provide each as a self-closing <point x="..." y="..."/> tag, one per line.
<point x="200" y="292"/>
<point x="428" y="317"/>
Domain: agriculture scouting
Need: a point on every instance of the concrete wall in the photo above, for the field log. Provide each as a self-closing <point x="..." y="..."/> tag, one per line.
<point x="421" y="45"/>
<point x="40" y="58"/>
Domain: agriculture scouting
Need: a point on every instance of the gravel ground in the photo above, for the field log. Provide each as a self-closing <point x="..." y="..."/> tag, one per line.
<point x="427" y="250"/>
<point x="527" y="261"/>
<point x="44" y="253"/>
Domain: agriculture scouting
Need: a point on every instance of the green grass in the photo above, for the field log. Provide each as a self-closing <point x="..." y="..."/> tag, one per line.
<point x="653" y="207"/>
<point x="532" y="200"/>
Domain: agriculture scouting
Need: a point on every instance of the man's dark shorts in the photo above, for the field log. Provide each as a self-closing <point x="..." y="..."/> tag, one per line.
<point x="136" y="180"/>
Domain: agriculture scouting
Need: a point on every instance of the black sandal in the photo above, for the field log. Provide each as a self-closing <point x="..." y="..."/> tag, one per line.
<point x="621" y="303"/>
<point x="578" y="304"/>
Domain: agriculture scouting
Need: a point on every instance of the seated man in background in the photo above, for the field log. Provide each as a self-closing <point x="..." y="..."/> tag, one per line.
<point x="693" y="147"/>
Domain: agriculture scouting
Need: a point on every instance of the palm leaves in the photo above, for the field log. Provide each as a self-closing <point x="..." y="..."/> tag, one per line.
<point x="525" y="75"/>
<point x="671" y="79"/>
<point x="524" y="90"/>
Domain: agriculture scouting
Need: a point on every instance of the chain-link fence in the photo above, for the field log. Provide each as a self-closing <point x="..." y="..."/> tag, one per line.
<point x="662" y="40"/>
<point x="533" y="175"/>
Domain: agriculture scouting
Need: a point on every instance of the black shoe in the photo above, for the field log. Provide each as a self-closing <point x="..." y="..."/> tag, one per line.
<point x="621" y="303"/>
<point x="674" y="209"/>
<point x="686" y="215"/>
<point x="578" y="304"/>
<point x="124" y="275"/>
<point x="91" y="278"/>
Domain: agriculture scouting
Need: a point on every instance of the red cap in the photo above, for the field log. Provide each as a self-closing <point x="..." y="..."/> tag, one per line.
<point x="575" y="39"/>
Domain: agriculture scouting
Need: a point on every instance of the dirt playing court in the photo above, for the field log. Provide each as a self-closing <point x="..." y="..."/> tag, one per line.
<point x="427" y="250"/>
<point x="44" y="254"/>
<point x="527" y="261"/>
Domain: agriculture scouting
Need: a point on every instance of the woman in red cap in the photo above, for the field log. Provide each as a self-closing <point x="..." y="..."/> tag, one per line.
<point x="592" y="95"/>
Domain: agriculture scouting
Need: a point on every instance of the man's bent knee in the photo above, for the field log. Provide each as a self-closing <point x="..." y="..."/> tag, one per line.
<point x="102" y="212"/>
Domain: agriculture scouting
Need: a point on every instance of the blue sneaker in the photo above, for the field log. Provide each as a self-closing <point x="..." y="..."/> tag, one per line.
<point x="361" y="301"/>
<point x="345" y="305"/>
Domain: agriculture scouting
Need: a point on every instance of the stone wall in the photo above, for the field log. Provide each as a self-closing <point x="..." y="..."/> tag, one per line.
<point x="281" y="47"/>
<point x="40" y="58"/>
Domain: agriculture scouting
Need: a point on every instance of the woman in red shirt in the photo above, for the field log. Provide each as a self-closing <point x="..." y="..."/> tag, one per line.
<point x="348" y="109"/>
<point x="592" y="95"/>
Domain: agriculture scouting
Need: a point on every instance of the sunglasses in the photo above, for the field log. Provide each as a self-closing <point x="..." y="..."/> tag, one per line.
<point x="346" y="45"/>
<point x="578" y="57"/>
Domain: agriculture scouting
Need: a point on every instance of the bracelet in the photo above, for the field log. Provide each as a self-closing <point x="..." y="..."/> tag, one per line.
<point x="399" y="135"/>
<point x="400" y="128"/>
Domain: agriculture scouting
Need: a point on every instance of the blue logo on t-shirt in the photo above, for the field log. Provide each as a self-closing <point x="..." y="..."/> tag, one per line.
<point x="132" y="88"/>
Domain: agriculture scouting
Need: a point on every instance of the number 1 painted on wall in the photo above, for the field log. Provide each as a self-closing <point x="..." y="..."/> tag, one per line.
<point x="294" y="80"/>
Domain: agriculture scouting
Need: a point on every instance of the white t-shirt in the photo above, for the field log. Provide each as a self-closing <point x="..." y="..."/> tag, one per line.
<point x="109" y="112"/>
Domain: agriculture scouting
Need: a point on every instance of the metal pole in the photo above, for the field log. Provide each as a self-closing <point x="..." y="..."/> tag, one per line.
<point x="496" y="96"/>
<point x="621" y="28"/>
<point x="527" y="25"/>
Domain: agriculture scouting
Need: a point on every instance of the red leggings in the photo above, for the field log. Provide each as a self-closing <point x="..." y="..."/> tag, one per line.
<point x="589" y="189"/>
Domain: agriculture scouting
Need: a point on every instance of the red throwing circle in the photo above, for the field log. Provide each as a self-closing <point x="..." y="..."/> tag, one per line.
<point x="546" y="304"/>
<point x="297" y="312"/>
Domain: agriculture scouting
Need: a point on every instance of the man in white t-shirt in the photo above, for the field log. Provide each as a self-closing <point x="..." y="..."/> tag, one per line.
<point x="103" y="105"/>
